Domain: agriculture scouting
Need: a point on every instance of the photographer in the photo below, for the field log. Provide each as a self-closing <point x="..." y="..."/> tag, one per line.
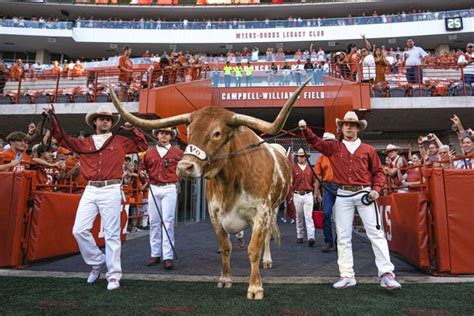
<point x="465" y="141"/>
<point x="431" y="155"/>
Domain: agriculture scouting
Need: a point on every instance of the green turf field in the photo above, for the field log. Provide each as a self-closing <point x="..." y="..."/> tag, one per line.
<point x="74" y="296"/>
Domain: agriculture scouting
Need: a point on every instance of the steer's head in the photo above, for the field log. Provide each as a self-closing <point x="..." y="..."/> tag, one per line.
<point x="210" y="131"/>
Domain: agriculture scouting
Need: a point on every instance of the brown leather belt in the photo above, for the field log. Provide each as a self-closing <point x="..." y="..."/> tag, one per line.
<point x="302" y="192"/>
<point x="162" y="184"/>
<point x="100" y="184"/>
<point x="351" y="187"/>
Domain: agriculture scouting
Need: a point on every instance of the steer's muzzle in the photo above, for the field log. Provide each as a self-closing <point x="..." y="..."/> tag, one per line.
<point x="188" y="169"/>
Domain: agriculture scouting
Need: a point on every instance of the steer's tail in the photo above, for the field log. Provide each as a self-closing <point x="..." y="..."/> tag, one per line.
<point x="274" y="229"/>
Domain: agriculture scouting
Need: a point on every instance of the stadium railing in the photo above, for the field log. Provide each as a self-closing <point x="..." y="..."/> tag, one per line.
<point x="235" y="24"/>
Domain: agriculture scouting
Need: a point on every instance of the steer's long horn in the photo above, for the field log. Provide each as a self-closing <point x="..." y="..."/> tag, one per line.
<point x="277" y="125"/>
<point x="159" y="123"/>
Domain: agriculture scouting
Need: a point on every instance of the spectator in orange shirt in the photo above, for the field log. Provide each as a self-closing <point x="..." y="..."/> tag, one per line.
<point x="126" y="73"/>
<point x="324" y="171"/>
<point x="78" y="69"/>
<point x="352" y="59"/>
<point x="16" y="154"/>
<point x="57" y="70"/>
<point x="17" y="70"/>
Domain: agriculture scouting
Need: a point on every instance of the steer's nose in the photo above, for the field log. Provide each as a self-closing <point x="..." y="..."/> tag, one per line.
<point x="186" y="168"/>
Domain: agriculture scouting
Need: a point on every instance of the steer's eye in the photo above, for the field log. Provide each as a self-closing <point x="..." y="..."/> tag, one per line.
<point x="217" y="134"/>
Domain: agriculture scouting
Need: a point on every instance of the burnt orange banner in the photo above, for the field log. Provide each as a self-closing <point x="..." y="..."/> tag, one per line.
<point x="405" y="222"/>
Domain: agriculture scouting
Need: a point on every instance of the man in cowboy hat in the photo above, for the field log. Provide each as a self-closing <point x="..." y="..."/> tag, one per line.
<point x="158" y="168"/>
<point x="324" y="171"/>
<point x="356" y="167"/>
<point x="396" y="163"/>
<point x="304" y="184"/>
<point x="101" y="157"/>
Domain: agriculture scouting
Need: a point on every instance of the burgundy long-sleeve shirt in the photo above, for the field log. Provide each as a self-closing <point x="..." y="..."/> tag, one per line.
<point x="302" y="180"/>
<point x="361" y="168"/>
<point x="161" y="169"/>
<point x="107" y="164"/>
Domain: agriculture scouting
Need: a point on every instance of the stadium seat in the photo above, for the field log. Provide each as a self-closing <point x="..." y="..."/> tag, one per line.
<point x="421" y="92"/>
<point x="397" y="92"/>
<point x="101" y="97"/>
<point x="5" y="99"/>
<point x="379" y="92"/>
<point x="43" y="98"/>
<point x="459" y="91"/>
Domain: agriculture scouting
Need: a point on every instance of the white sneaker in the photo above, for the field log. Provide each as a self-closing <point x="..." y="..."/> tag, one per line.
<point x="388" y="281"/>
<point x="113" y="285"/>
<point x="344" y="283"/>
<point x="93" y="276"/>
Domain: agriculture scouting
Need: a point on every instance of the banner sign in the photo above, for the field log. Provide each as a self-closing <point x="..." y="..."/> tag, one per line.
<point x="256" y="97"/>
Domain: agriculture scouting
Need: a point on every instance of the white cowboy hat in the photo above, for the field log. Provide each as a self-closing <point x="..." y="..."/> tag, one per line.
<point x="391" y="147"/>
<point x="351" y="117"/>
<point x="172" y="130"/>
<point x="302" y="153"/>
<point x="103" y="110"/>
<point x="329" y="136"/>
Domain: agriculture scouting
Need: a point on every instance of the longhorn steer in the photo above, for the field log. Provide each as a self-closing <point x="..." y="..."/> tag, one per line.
<point x="244" y="185"/>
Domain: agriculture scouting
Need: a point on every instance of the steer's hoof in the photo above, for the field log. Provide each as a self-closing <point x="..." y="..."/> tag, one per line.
<point x="227" y="284"/>
<point x="268" y="265"/>
<point x="255" y="296"/>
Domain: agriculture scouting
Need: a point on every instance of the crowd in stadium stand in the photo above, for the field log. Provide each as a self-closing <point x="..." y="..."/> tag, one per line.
<point x="386" y="69"/>
<point x="220" y="23"/>
<point x="406" y="175"/>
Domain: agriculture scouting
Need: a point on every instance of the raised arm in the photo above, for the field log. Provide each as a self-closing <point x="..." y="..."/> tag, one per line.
<point x="366" y="43"/>
<point x="63" y="139"/>
<point x="326" y="148"/>
<point x="421" y="147"/>
<point x="138" y="143"/>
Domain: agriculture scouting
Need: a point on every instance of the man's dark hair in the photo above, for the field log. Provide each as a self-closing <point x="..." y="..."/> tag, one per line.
<point x="349" y="47"/>
<point x="125" y="48"/>
<point x="16" y="136"/>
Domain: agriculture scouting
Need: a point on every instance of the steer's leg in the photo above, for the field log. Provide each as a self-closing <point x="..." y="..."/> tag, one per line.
<point x="259" y="231"/>
<point x="267" y="256"/>
<point x="225" y="280"/>
<point x="275" y="232"/>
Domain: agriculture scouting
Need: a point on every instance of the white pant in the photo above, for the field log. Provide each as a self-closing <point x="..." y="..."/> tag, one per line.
<point x="165" y="197"/>
<point x="304" y="209"/>
<point x="106" y="201"/>
<point x="344" y="216"/>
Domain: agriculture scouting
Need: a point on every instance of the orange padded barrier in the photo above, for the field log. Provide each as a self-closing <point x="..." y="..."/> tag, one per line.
<point x="459" y="188"/>
<point x="435" y="181"/>
<point x="14" y="190"/>
<point x="51" y="225"/>
<point x="405" y="221"/>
